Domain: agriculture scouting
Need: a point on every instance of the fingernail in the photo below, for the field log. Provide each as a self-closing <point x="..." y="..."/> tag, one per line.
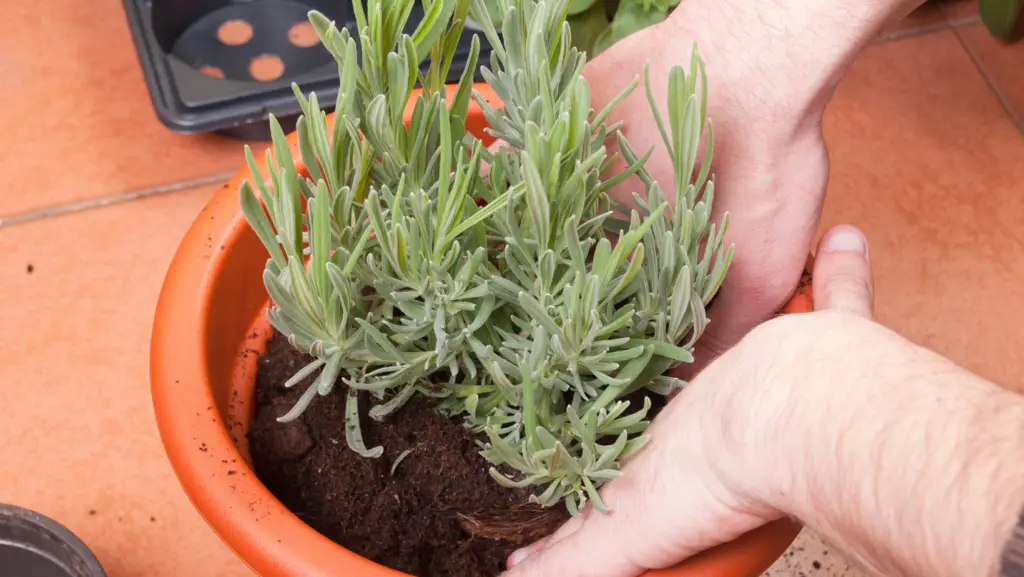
<point x="518" y="556"/>
<point x="845" y="239"/>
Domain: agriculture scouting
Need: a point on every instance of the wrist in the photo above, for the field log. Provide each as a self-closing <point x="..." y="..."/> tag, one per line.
<point x="795" y="51"/>
<point x="906" y="462"/>
<point x="758" y="423"/>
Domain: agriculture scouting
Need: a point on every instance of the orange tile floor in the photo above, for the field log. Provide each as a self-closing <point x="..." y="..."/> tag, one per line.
<point x="927" y="159"/>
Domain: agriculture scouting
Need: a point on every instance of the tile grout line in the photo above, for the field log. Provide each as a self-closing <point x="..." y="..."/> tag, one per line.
<point x="945" y="24"/>
<point x="976" y="19"/>
<point x="169" y="188"/>
<point x="105" y="201"/>
<point x="919" y="31"/>
<point x="1003" y="101"/>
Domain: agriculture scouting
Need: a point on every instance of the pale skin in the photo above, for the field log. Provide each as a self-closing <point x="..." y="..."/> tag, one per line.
<point x="907" y="463"/>
<point x="772" y="68"/>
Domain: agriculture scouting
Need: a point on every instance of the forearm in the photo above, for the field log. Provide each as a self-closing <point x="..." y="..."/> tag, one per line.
<point x="805" y="45"/>
<point x="911" y="464"/>
<point x="927" y="475"/>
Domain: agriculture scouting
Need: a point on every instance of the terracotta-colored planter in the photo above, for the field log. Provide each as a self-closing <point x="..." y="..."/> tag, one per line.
<point x="208" y="333"/>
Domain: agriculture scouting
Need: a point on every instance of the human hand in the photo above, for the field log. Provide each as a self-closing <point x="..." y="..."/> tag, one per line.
<point x="903" y="461"/>
<point x="678" y="496"/>
<point x="772" y="68"/>
<point x="770" y="161"/>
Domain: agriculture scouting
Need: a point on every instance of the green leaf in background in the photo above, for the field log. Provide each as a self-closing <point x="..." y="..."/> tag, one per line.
<point x="578" y="6"/>
<point x="587" y="25"/>
<point x="1001" y="16"/>
<point x="632" y="16"/>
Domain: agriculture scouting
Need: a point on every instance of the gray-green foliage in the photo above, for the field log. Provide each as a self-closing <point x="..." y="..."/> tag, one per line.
<point x="518" y="314"/>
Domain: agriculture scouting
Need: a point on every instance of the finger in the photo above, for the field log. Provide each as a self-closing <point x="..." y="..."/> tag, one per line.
<point x="606" y="544"/>
<point x="519" y="555"/>
<point x="842" y="272"/>
<point x="667" y="506"/>
<point x="567" y="528"/>
<point x="588" y="548"/>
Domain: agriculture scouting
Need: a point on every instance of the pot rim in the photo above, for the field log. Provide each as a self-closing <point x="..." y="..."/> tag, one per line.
<point x="261" y="531"/>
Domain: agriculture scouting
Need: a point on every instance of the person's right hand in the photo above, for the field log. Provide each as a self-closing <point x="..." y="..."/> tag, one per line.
<point x="686" y="491"/>
<point x="905" y="462"/>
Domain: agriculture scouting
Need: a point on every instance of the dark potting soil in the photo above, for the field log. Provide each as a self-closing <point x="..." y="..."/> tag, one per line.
<point x="413" y="521"/>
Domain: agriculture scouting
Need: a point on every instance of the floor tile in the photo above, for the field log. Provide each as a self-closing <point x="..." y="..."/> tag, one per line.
<point x="80" y="440"/>
<point x="927" y="162"/>
<point x="1001" y="64"/>
<point x="925" y="19"/>
<point x="76" y="115"/>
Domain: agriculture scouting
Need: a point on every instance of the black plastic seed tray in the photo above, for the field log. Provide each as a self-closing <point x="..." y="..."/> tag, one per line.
<point x="224" y="66"/>
<point x="32" y="545"/>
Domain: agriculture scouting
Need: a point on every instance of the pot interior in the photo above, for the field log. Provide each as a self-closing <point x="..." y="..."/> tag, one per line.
<point x="235" y="339"/>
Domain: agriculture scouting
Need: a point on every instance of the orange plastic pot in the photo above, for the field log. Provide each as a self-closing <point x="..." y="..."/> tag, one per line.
<point x="208" y="333"/>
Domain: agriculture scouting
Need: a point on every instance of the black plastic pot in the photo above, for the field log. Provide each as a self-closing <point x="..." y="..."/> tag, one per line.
<point x="201" y="60"/>
<point x="32" y="545"/>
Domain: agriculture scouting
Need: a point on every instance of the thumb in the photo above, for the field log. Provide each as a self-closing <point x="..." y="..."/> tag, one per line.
<point x="842" y="272"/>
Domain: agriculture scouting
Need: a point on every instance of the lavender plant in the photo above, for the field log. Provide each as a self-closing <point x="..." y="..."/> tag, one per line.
<point x="412" y="271"/>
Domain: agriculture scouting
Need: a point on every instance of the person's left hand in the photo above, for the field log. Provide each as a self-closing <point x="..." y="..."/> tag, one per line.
<point x="770" y="162"/>
<point x="698" y="483"/>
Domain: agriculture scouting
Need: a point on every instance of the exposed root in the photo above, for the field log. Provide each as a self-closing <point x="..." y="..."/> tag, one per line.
<point x="519" y="524"/>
